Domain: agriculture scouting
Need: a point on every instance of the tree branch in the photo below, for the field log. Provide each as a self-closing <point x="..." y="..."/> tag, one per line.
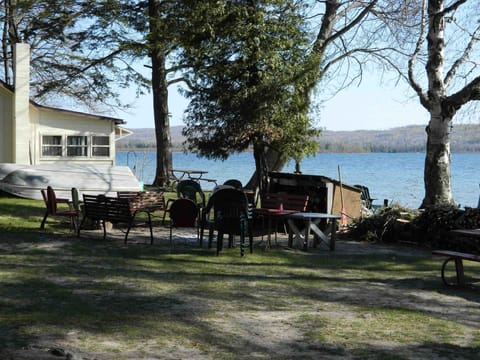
<point x="99" y="61"/>
<point x="453" y="70"/>
<point x="330" y="14"/>
<point x="177" y="80"/>
<point x="452" y="7"/>
<point x="470" y="92"/>
<point x="413" y="59"/>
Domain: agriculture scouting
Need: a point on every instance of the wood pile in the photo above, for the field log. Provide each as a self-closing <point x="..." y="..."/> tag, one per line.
<point x="428" y="227"/>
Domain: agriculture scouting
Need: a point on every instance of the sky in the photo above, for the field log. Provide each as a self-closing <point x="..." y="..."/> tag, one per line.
<point x="369" y="106"/>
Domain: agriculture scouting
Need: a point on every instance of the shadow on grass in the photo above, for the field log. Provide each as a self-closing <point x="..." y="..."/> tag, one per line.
<point x="107" y="289"/>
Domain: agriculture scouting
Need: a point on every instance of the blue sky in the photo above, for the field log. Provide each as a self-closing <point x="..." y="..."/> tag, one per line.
<point x="370" y="106"/>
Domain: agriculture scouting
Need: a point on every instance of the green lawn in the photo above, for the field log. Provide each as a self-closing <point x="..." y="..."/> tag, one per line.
<point x="111" y="301"/>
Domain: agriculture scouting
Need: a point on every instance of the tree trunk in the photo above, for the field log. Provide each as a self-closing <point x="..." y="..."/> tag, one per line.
<point x="160" y="101"/>
<point x="438" y="190"/>
<point x="266" y="160"/>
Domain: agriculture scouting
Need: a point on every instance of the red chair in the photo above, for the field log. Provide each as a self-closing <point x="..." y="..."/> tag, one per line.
<point x="51" y="204"/>
<point x="183" y="213"/>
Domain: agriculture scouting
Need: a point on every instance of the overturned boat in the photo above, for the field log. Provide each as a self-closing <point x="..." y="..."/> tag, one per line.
<point x="27" y="180"/>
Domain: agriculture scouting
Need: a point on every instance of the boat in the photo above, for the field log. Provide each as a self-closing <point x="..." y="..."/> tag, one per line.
<point x="26" y="181"/>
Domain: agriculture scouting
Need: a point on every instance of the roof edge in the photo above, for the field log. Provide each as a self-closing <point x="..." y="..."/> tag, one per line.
<point x="117" y="121"/>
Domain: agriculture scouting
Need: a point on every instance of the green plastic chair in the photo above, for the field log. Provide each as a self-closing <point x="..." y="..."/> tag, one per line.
<point x="190" y="189"/>
<point x="237" y="184"/>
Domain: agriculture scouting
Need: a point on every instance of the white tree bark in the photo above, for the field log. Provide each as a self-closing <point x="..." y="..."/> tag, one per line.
<point x="437" y="178"/>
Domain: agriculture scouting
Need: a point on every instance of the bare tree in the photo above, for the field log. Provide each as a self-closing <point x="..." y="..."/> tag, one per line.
<point x="445" y="75"/>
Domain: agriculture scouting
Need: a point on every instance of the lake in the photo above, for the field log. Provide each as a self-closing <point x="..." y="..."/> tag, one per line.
<point x="397" y="177"/>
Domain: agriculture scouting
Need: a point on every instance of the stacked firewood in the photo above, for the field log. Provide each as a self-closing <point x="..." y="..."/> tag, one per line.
<point x="470" y="219"/>
<point x="388" y="225"/>
<point x="429" y="227"/>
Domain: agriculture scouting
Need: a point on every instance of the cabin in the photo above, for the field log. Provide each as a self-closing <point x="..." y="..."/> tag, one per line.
<point x="326" y="195"/>
<point x="33" y="134"/>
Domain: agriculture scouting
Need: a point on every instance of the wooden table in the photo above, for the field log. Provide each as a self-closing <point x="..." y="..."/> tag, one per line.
<point x="473" y="233"/>
<point x="190" y="174"/>
<point x="310" y="221"/>
<point x="272" y="214"/>
<point x="196" y="175"/>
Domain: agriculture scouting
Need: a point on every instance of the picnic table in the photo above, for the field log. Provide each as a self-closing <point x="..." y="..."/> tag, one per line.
<point x="182" y="174"/>
<point x="457" y="258"/>
<point x="310" y="222"/>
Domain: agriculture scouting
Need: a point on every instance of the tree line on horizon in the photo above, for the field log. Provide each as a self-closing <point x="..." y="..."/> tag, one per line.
<point x="465" y="138"/>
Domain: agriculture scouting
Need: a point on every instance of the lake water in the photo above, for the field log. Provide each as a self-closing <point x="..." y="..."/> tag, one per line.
<point x="397" y="177"/>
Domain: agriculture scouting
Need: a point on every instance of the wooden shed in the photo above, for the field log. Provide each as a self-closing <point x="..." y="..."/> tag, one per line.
<point x="325" y="194"/>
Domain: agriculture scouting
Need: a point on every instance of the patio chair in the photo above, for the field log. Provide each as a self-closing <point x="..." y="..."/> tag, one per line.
<point x="237" y="184"/>
<point x="51" y="204"/>
<point x="231" y="215"/>
<point x="190" y="189"/>
<point x="183" y="214"/>
<point x="365" y="196"/>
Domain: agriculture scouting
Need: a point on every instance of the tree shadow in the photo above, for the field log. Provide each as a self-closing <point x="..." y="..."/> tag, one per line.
<point x="105" y="288"/>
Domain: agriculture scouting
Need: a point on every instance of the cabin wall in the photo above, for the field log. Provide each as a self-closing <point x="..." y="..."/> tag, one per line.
<point x="64" y="125"/>
<point x="324" y="193"/>
<point x="351" y="202"/>
<point x="6" y="130"/>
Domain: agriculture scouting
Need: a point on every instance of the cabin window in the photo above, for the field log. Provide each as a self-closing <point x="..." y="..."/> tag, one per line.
<point x="51" y="145"/>
<point x="77" y="146"/>
<point x="70" y="146"/>
<point x="100" y="146"/>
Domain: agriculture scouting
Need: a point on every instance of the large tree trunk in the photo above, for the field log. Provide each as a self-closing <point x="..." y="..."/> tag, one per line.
<point x="265" y="160"/>
<point x="438" y="189"/>
<point x="437" y="177"/>
<point x="160" y="100"/>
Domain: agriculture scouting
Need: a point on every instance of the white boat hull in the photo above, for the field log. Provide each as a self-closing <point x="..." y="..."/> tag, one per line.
<point x="27" y="181"/>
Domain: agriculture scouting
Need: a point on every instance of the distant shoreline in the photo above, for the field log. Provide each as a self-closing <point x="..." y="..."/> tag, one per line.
<point x="408" y="139"/>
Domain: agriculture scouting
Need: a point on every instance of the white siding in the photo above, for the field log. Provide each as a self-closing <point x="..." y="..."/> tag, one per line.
<point x="66" y="124"/>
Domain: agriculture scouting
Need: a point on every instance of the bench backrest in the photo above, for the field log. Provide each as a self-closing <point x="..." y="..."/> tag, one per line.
<point x="128" y="194"/>
<point x="99" y="207"/>
<point x="152" y="200"/>
<point x="288" y="201"/>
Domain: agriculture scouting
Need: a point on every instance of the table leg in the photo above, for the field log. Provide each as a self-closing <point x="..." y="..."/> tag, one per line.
<point x="323" y="236"/>
<point x="269" y="235"/>
<point x="290" y="234"/>
<point x="333" y="235"/>
<point x="293" y="232"/>
<point x="459" y="271"/>
<point x="308" y="224"/>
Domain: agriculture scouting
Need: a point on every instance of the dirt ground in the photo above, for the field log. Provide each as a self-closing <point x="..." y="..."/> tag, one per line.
<point x="273" y="330"/>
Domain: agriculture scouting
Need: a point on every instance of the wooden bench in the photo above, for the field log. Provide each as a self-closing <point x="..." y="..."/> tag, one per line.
<point x="147" y="200"/>
<point x="114" y="210"/>
<point x="458" y="258"/>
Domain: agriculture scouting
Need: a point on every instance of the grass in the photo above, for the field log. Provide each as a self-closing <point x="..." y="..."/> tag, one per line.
<point x="138" y="301"/>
